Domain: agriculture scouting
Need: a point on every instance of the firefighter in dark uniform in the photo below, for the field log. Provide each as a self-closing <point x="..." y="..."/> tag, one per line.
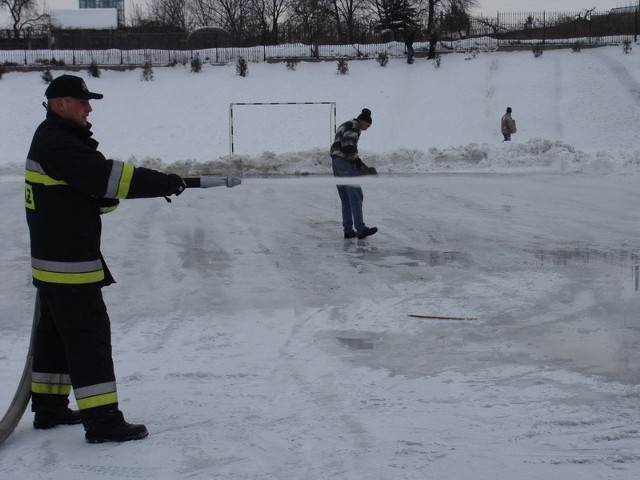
<point x="69" y="184"/>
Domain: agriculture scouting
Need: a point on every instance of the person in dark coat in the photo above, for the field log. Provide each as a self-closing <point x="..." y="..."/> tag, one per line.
<point x="408" y="42"/>
<point x="346" y="162"/>
<point x="69" y="184"/>
<point x="507" y="125"/>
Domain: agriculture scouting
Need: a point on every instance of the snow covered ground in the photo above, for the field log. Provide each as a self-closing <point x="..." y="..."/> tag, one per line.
<point x="256" y="343"/>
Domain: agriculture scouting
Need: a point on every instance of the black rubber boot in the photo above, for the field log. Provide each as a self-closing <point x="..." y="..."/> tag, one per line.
<point x="111" y="426"/>
<point x="46" y="420"/>
<point x="366" y="232"/>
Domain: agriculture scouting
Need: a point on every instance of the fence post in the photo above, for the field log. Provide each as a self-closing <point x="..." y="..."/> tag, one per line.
<point x="544" y="27"/>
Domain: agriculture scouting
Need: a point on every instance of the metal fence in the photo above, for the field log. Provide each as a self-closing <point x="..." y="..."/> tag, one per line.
<point x="126" y="47"/>
<point x="116" y="57"/>
<point x="553" y="27"/>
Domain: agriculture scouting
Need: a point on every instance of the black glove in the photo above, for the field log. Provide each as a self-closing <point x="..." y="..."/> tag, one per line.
<point x="363" y="169"/>
<point x="106" y="205"/>
<point x="176" y="184"/>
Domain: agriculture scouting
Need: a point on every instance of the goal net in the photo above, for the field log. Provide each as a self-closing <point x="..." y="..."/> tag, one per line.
<point x="280" y="127"/>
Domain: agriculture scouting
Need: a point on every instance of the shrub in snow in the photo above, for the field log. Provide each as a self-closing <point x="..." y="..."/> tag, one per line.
<point x="242" y="68"/>
<point x="94" y="70"/>
<point x="537" y="51"/>
<point x="382" y="59"/>
<point x="343" y="66"/>
<point x="53" y="62"/>
<point x="196" y="64"/>
<point x="46" y="76"/>
<point x="577" y="47"/>
<point x="178" y="60"/>
<point x="473" y="54"/>
<point x="147" y="72"/>
<point x="292" y="64"/>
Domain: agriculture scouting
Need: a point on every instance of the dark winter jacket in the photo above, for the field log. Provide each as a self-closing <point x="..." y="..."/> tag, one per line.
<point x="345" y="144"/>
<point x="507" y="124"/>
<point x="69" y="183"/>
<point x="409" y="38"/>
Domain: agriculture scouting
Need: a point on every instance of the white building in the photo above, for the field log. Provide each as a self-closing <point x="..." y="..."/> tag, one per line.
<point x="86" y="18"/>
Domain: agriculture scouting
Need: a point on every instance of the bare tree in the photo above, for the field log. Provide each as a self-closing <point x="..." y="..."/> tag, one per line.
<point x="137" y="15"/>
<point x="232" y="15"/>
<point x="24" y="13"/>
<point x="257" y="19"/>
<point x="435" y="7"/>
<point x="346" y="14"/>
<point x="204" y="12"/>
<point x="492" y="24"/>
<point x="170" y="13"/>
<point x="431" y="15"/>
<point x="585" y="14"/>
<point x="266" y="14"/>
<point x="313" y="18"/>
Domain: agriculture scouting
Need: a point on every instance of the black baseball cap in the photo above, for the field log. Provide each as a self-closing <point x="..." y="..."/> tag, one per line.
<point x="70" y="86"/>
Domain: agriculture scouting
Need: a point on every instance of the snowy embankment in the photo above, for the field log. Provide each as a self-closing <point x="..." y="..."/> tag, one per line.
<point x="576" y="112"/>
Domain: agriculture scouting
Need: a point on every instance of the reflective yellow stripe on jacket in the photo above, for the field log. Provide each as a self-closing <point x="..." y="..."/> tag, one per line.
<point x="35" y="174"/>
<point x="68" y="273"/>
<point x="119" y="180"/>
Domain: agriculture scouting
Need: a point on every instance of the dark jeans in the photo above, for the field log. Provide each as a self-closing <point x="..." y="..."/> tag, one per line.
<point x="409" y="52"/>
<point x="351" y="196"/>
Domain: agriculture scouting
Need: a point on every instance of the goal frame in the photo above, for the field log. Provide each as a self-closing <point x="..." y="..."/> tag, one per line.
<point x="332" y="117"/>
